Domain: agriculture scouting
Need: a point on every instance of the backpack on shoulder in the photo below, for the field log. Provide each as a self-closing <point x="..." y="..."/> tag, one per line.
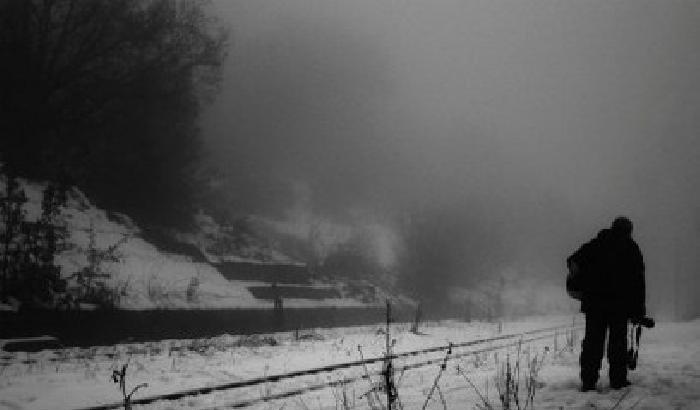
<point x="579" y="266"/>
<point x="574" y="279"/>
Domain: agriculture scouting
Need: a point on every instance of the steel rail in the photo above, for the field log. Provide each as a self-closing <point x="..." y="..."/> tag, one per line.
<point x="324" y="369"/>
<point x="347" y="380"/>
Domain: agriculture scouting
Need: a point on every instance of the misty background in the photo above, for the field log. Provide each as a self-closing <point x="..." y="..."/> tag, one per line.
<point x="503" y="133"/>
<point x="441" y="150"/>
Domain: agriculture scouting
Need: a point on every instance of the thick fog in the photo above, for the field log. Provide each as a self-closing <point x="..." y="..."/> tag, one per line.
<point x="531" y="125"/>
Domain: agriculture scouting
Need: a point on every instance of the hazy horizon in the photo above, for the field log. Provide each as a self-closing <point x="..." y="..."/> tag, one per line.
<point x="537" y="122"/>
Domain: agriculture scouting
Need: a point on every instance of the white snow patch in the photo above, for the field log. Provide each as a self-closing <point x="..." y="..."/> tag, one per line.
<point x="668" y="376"/>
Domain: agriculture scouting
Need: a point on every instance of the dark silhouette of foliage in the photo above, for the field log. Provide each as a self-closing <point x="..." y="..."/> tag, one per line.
<point x="12" y="218"/>
<point x="29" y="274"/>
<point x="107" y="93"/>
<point x="93" y="279"/>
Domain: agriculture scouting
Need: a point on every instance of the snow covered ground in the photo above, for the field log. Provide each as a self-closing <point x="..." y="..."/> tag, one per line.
<point x="668" y="375"/>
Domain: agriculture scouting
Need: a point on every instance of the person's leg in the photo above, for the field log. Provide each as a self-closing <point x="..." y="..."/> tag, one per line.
<point x="592" y="349"/>
<point x="617" y="352"/>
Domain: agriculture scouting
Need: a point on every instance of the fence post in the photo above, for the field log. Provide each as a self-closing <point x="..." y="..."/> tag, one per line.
<point x="417" y="318"/>
<point x="391" y="392"/>
<point x="278" y="307"/>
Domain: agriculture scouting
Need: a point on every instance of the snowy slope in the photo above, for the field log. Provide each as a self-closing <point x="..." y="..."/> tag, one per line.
<point x="149" y="278"/>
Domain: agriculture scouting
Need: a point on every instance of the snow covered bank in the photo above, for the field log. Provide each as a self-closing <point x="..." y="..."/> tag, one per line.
<point x="143" y="276"/>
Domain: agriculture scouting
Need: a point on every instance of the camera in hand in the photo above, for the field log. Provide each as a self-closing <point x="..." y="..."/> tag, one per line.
<point x="645" y="321"/>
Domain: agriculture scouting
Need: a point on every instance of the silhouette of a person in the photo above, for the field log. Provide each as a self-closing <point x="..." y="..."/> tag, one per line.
<point x="613" y="293"/>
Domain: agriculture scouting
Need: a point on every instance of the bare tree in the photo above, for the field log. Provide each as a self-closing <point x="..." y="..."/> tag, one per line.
<point x="107" y="92"/>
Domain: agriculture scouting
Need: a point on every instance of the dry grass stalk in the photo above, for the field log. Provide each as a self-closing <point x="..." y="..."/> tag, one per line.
<point x="119" y="376"/>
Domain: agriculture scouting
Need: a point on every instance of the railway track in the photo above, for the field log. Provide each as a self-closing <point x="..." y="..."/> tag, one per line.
<point x="472" y="346"/>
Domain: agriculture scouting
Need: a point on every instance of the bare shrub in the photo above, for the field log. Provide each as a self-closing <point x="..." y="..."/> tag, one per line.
<point x="93" y="279"/>
<point x="193" y="289"/>
<point x="119" y="376"/>
<point x="516" y="381"/>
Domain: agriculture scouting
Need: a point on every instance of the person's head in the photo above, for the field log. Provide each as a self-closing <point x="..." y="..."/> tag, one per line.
<point x="622" y="225"/>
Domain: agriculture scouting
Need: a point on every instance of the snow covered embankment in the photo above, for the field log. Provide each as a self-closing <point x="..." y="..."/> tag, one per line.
<point x="143" y="276"/>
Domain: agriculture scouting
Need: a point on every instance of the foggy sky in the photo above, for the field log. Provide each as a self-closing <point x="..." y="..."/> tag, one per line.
<point x="541" y="120"/>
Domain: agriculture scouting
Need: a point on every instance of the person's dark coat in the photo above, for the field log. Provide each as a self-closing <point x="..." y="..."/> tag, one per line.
<point x="613" y="274"/>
